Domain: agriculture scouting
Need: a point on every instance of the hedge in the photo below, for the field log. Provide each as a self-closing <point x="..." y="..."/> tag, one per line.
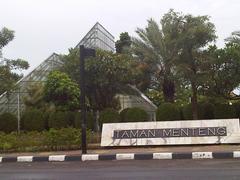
<point x="222" y="111"/>
<point x="205" y="111"/>
<point x="237" y="109"/>
<point x="168" y="112"/>
<point x="34" y="120"/>
<point x="59" y="119"/>
<point x="8" y="122"/>
<point x="54" y="139"/>
<point x="133" y="115"/>
<point x="109" y="116"/>
<point x="89" y="119"/>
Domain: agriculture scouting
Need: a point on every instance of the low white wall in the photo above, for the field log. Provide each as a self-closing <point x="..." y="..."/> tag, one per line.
<point x="231" y="126"/>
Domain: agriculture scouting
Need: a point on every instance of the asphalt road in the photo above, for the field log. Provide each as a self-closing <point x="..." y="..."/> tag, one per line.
<point x="135" y="169"/>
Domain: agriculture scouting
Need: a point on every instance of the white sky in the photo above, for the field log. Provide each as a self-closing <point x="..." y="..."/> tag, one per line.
<point x="46" y="26"/>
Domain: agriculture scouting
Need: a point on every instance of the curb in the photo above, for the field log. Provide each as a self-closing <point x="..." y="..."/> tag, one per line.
<point x="124" y="156"/>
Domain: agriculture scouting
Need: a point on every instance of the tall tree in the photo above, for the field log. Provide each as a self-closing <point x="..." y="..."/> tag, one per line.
<point x="234" y="38"/>
<point x="10" y="70"/>
<point x="34" y="96"/>
<point x="196" y="32"/>
<point x="6" y="36"/>
<point x="223" y="70"/>
<point x="106" y="74"/>
<point x="123" y="44"/>
<point x="62" y="91"/>
<point x="157" y="46"/>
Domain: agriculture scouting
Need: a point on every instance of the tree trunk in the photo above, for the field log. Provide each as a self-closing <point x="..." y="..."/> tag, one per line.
<point x="194" y="100"/>
<point x="96" y="123"/>
<point x="168" y="90"/>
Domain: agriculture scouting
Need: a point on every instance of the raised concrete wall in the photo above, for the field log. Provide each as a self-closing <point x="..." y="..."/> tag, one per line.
<point x="219" y="131"/>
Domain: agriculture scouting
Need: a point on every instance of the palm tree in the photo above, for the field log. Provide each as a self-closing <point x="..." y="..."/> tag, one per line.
<point x="234" y="38"/>
<point x="158" y="48"/>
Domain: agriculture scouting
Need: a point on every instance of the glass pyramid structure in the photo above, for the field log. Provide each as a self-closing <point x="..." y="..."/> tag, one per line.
<point x="98" y="38"/>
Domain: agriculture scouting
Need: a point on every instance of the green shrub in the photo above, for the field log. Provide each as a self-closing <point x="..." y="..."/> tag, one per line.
<point x="123" y="114"/>
<point x="70" y="117"/>
<point x="33" y="120"/>
<point x="59" y="120"/>
<point x="205" y="111"/>
<point x="222" y="111"/>
<point x="109" y="116"/>
<point x="54" y="139"/>
<point x="62" y="138"/>
<point x="187" y="112"/>
<point x="8" y="122"/>
<point x="133" y="115"/>
<point x="168" y="112"/>
<point x="237" y="109"/>
<point x="89" y="119"/>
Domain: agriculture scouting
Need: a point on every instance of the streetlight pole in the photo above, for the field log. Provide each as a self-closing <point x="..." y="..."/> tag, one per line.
<point x="84" y="53"/>
<point x="82" y="100"/>
<point x="18" y="110"/>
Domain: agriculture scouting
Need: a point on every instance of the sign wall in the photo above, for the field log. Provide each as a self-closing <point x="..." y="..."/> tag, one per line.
<point x="217" y="131"/>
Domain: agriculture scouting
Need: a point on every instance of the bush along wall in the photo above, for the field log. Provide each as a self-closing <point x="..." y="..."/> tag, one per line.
<point x="223" y="111"/>
<point x="109" y="116"/>
<point x="8" y="122"/>
<point x="59" y="120"/>
<point x="133" y="115"/>
<point x="89" y="119"/>
<point x="34" y="120"/>
<point x="54" y="139"/>
<point x="168" y="112"/>
<point x="205" y="111"/>
<point x="237" y="109"/>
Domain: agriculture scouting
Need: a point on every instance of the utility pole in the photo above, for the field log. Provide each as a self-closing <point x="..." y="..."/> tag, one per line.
<point x="18" y="110"/>
<point x="84" y="53"/>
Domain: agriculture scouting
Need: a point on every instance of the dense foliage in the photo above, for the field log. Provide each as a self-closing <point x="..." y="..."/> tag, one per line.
<point x="54" y="139"/>
<point x="106" y="75"/>
<point x="205" y="111"/>
<point x="34" y="120"/>
<point x="60" y="119"/>
<point x="133" y="115"/>
<point x="123" y="44"/>
<point x="168" y="112"/>
<point x="10" y="69"/>
<point x="224" y="111"/>
<point x="62" y="91"/>
<point x="8" y="122"/>
<point x="89" y="120"/>
<point x="109" y="116"/>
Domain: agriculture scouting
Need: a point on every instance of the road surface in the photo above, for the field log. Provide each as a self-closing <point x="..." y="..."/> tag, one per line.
<point x="133" y="170"/>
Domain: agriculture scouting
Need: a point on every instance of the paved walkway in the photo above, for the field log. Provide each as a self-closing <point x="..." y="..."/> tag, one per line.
<point x="195" y="148"/>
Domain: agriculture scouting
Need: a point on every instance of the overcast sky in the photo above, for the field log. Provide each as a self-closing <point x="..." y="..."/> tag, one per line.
<point x="46" y="26"/>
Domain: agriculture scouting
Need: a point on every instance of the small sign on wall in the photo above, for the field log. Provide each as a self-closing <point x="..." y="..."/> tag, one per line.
<point x="217" y="131"/>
